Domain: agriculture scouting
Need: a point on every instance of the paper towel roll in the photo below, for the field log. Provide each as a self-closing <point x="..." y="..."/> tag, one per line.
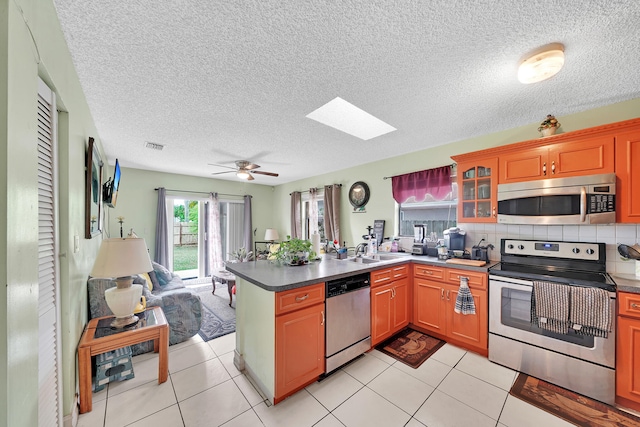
<point x="315" y="243"/>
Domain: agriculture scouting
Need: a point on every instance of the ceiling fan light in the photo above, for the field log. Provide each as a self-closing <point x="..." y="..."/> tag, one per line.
<point x="243" y="174"/>
<point x="542" y="64"/>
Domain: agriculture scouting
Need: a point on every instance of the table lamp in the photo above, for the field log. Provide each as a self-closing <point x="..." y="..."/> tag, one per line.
<point x="271" y="235"/>
<point x="121" y="259"/>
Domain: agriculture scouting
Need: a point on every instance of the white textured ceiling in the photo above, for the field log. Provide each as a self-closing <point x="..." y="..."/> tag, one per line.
<point x="218" y="81"/>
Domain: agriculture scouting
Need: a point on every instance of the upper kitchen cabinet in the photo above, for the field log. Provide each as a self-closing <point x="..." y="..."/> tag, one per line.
<point x="628" y="176"/>
<point x="582" y="156"/>
<point x="477" y="183"/>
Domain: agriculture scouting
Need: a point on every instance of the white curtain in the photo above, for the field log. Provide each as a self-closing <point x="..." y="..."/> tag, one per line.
<point x="313" y="211"/>
<point x="215" y="238"/>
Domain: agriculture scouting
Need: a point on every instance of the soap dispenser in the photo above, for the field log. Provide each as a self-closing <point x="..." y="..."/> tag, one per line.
<point x="373" y="245"/>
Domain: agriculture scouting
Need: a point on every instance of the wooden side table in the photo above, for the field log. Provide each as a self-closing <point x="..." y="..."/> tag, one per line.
<point x="224" y="277"/>
<point x="99" y="337"/>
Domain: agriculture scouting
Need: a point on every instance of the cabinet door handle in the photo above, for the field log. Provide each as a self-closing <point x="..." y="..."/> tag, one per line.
<point x="441" y="293"/>
<point x="553" y="167"/>
<point x="300" y="299"/>
<point x="544" y="169"/>
<point x="321" y="324"/>
<point x="427" y="272"/>
<point x="634" y="305"/>
<point x="448" y="299"/>
<point x="493" y="211"/>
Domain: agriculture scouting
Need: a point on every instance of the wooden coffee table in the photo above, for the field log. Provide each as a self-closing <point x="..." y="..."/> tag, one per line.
<point x="98" y="337"/>
<point x="224" y="277"/>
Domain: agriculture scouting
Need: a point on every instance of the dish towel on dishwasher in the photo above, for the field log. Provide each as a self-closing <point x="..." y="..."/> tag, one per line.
<point x="550" y="306"/>
<point x="464" y="299"/>
<point x="590" y="311"/>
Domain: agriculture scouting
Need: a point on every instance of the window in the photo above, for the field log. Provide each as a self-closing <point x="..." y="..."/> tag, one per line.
<point x="188" y="222"/>
<point x="306" y="214"/>
<point x="437" y="215"/>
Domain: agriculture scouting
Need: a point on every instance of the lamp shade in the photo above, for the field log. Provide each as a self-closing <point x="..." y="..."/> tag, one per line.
<point x="121" y="257"/>
<point x="271" y="234"/>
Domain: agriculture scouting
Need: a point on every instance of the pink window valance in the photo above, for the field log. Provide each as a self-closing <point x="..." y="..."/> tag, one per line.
<point x="436" y="182"/>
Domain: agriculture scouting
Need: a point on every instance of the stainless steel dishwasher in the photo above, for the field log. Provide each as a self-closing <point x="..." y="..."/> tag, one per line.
<point x="348" y="321"/>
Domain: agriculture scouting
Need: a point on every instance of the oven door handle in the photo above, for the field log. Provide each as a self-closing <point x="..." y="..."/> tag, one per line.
<point x="583" y="204"/>
<point x="510" y="285"/>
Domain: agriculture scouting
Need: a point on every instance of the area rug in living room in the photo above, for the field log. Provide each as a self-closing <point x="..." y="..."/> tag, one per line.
<point x="217" y="317"/>
<point x="411" y="347"/>
<point x="572" y="407"/>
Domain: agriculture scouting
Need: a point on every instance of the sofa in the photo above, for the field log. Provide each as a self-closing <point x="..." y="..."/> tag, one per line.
<point x="181" y="305"/>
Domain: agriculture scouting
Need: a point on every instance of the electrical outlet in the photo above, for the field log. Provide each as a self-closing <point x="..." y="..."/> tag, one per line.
<point x="76" y="244"/>
<point x="483" y="236"/>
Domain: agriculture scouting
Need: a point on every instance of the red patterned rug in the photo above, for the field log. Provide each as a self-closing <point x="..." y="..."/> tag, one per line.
<point x="410" y="347"/>
<point x="572" y="407"/>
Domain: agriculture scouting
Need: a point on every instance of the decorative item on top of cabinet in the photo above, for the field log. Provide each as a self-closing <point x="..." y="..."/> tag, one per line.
<point x="628" y="173"/>
<point x="549" y="126"/>
<point x="477" y="183"/>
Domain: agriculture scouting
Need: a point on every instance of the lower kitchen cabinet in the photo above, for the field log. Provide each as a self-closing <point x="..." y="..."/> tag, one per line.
<point x="628" y="351"/>
<point x="434" y="303"/>
<point x="299" y="340"/>
<point x="389" y="309"/>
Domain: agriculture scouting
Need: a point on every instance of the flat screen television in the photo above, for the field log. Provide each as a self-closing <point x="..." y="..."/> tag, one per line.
<point x="110" y="190"/>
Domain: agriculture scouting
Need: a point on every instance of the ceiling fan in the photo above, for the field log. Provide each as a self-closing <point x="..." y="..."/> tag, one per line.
<point x="244" y="170"/>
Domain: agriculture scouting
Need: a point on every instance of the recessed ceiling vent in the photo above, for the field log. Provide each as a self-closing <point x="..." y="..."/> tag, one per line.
<point x="154" y="146"/>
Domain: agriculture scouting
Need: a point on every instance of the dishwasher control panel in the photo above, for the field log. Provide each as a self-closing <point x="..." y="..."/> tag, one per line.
<point x="347" y="284"/>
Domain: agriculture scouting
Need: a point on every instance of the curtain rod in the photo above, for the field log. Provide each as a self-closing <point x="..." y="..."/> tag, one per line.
<point x="389" y="177"/>
<point x="306" y="191"/>
<point x="202" y="192"/>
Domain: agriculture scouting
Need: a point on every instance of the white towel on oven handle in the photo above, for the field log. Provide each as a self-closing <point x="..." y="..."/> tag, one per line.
<point x="464" y="299"/>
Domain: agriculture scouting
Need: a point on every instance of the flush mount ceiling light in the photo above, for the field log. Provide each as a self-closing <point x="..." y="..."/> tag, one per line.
<point x="346" y="117"/>
<point x="541" y="64"/>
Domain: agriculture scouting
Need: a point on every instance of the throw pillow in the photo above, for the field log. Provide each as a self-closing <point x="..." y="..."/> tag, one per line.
<point x="164" y="276"/>
<point x="154" y="280"/>
<point x="146" y="277"/>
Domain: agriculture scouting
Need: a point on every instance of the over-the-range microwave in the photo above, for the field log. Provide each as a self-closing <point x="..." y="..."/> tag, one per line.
<point x="586" y="199"/>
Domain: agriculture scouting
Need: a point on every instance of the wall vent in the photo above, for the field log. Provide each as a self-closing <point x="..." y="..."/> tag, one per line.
<point x="154" y="146"/>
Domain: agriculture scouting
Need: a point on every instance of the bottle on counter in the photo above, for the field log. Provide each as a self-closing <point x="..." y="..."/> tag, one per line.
<point x="372" y="247"/>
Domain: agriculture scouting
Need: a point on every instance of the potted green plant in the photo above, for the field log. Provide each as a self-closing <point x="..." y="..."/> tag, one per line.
<point x="294" y="251"/>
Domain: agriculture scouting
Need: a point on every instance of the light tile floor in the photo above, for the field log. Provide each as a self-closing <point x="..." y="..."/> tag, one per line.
<point x="452" y="388"/>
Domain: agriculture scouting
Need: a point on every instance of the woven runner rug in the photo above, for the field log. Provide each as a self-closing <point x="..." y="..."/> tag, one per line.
<point x="217" y="317"/>
<point x="410" y="347"/>
<point x="572" y="407"/>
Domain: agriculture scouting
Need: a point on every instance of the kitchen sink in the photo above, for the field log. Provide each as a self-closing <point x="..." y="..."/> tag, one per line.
<point x="363" y="260"/>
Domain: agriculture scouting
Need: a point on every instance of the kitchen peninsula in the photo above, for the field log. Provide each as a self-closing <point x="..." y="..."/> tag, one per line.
<point x="280" y="313"/>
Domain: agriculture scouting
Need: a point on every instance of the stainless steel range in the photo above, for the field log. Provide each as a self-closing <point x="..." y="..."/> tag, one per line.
<point x="574" y="359"/>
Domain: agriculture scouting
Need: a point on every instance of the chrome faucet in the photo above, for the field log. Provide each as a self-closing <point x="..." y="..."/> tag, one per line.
<point x="361" y="247"/>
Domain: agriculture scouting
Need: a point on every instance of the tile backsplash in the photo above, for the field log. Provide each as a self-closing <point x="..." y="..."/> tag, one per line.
<point x="611" y="234"/>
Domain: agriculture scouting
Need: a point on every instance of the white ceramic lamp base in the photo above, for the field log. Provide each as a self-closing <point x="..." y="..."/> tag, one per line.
<point x="122" y="302"/>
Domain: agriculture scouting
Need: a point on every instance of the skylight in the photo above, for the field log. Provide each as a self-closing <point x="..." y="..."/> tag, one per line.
<point x="346" y="117"/>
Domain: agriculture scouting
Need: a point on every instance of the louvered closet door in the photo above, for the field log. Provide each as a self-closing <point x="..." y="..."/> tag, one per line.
<point x="49" y="381"/>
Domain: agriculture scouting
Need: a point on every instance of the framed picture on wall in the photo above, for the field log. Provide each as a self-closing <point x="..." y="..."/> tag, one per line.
<point x="93" y="191"/>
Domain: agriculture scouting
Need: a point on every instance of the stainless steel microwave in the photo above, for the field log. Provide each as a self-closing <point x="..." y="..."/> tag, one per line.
<point x="576" y="200"/>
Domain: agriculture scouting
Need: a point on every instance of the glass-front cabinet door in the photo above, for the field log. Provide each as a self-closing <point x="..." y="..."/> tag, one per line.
<point x="477" y="182"/>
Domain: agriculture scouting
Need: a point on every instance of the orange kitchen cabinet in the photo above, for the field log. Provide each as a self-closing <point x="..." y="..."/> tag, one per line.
<point x="477" y="184"/>
<point x="583" y="156"/>
<point x="390" y="311"/>
<point x="434" y="303"/>
<point x="299" y="345"/>
<point x="628" y="176"/>
<point x="628" y="351"/>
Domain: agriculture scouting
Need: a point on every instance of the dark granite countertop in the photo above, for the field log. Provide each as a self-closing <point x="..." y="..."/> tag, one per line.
<point x="627" y="282"/>
<point x="278" y="278"/>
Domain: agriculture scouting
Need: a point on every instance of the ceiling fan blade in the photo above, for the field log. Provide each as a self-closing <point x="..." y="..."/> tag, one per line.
<point x="265" y="173"/>
<point x="251" y="166"/>
<point x="222" y="166"/>
<point x="250" y="178"/>
<point x="220" y="173"/>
